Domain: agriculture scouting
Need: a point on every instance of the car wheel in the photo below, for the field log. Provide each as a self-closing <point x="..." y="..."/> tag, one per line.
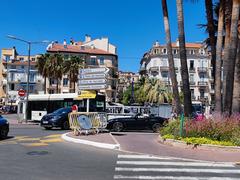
<point x="4" y="132"/>
<point x="48" y="128"/>
<point x="156" y="127"/>
<point x="65" y="125"/>
<point x="117" y="126"/>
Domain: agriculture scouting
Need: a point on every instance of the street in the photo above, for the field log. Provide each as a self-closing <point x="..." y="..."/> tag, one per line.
<point x="32" y="153"/>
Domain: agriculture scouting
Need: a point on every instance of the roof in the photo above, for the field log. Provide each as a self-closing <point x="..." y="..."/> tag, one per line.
<point x="19" y="63"/>
<point x="77" y="49"/>
<point x="189" y="45"/>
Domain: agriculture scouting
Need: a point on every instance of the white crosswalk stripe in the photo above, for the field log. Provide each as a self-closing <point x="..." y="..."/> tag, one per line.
<point x="129" y="166"/>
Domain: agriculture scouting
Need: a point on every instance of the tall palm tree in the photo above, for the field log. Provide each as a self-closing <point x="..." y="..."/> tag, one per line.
<point x="236" y="90"/>
<point x="71" y="67"/>
<point x="55" y="66"/>
<point x="232" y="56"/>
<point x="42" y="69"/>
<point x="218" y="81"/>
<point x="170" y="59"/>
<point x="183" y="59"/>
<point x="211" y="32"/>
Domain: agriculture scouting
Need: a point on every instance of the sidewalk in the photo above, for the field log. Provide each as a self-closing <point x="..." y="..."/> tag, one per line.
<point x="148" y="143"/>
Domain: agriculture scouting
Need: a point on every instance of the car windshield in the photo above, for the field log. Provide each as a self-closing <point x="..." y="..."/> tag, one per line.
<point x="62" y="110"/>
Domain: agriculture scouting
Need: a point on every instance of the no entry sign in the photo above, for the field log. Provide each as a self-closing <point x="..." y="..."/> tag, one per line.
<point x="21" y="92"/>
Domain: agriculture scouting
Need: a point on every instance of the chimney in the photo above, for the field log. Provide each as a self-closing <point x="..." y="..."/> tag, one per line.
<point x="87" y="38"/>
<point x="156" y="44"/>
<point x="65" y="43"/>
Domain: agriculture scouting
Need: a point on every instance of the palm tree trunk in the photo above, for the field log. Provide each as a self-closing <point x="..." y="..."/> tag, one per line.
<point x="211" y="32"/>
<point x="218" y="94"/>
<point x="236" y="89"/>
<point x="176" y="98"/>
<point x="45" y="85"/>
<point x="228" y="12"/>
<point x="232" y="57"/>
<point x="183" y="59"/>
<point x="57" y="85"/>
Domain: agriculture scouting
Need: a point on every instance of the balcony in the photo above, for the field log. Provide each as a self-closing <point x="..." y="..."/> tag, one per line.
<point x="192" y="70"/>
<point x="142" y="70"/>
<point x="193" y="98"/>
<point x="192" y="83"/>
<point x="202" y="69"/>
<point x="203" y="99"/>
<point x="164" y="68"/>
<point x="154" y="69"/>
<point x="202" y="83"/>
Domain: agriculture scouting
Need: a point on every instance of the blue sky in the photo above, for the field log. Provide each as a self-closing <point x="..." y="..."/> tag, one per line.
<point x="132" y="25"/>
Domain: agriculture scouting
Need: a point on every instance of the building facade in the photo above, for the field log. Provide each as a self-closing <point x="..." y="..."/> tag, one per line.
<point x="125" y="79"/>
<point x="14" y="68"/>
<point x="154" y="64"/>
<point x="95" y="53"/>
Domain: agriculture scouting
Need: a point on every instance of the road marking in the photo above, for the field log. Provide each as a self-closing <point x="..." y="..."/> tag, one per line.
<point x="53" y="136"/>
<point x="34" y="144"/>
<point x="29" y="139"/>
<point x="187" y="170"/>
<point x="174" y="163"/>
<point x="55" y="140"/>
<point x="8" y="142"/>
<point x="20" y="137"/>
<point x="143" y="157"/>
<point x="173" y="177"/>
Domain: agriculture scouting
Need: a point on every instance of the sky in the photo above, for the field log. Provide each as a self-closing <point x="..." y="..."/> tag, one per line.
<point x="131" y="25"/>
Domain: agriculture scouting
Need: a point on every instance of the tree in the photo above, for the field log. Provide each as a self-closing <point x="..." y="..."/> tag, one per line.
<point x="71" y="67"/>
<point x="42" y="68"/>
<point x="176" y="98"/>
<point x="218" y="81"/>
<point x="183" y="59"/>
<point x="232" y="57"/>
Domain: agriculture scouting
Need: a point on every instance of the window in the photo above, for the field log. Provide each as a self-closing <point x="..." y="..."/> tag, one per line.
<point x="101" y="60"/>
<point x="13" y="67"/>
<point x="11" y="77"/>
<point x="192" y="93"/>
<point x="33" y="59"/>
<point x="92" y="61"/>
<point x="202" y="52"/>
<point x="165" y="74"/>
<point x="31" y="88"/>
<point x="21" y="59"/>
<point x="191" y="77"/>
<point x="202" y="93"/>
<point x="51" y="81"/>
<point x="31" y="77"/>
<point x="7" y="58"/>
<point x="51" y="91"/>
<point x="201" y="75"/>
<point x="175" y="51"/>
<point x="12" y="86"/>
<point x="65" y="81"/>
<point x="22" y="67"/>
<point x="191" y="51"/>
<point x="164" y="51"/>
<point x="191" y="64"/>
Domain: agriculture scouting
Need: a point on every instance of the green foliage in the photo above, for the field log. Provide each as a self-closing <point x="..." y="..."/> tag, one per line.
<point x="172" y="128"/>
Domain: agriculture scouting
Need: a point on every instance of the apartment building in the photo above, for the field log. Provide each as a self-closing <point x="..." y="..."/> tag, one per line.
<point x="154" y="64"/>
<point x="125" y="79"/>
<point x="13" y="76"/>
<point x="95" y="53"/>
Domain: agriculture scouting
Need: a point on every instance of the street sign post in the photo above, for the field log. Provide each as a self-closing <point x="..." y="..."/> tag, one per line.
<point x="21" y="92"/>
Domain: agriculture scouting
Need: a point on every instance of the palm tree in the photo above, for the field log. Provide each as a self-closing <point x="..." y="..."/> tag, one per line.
<point x="211" y="31"/>
<point x="218" y="95"/>
<point x="41" y="66"/>
<point x="232" y="50"/>
<point x="170" y="59"/>
<point x="71" y="67"/>
<point x="55" y="66"/>
<point x="183" y="58"/>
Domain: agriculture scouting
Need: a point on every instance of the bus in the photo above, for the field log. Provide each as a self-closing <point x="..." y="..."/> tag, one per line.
<point x="41" y="104"/>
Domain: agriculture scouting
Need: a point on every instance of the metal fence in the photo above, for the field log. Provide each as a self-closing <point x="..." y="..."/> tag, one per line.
<point x="93" y="122"/>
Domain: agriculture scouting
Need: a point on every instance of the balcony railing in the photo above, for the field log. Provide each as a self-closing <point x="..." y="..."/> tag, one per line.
<point x="164" y="68"/>
<point x="202" y="83"/>
<point x="154" y="69"/>
<point x="192" y="70"/>
<point x="192" y="83"/>
<point x="202" y="69"/>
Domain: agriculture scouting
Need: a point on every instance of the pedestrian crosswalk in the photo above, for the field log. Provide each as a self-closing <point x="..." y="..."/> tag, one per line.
<point x="146" y="167"/>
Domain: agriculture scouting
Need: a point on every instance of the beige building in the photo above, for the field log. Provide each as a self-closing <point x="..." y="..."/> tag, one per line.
<point x="13" y="76"/>
<point x="96" y="53"/>
<point x="155" y="64"/>
<point x="125" y="79"/>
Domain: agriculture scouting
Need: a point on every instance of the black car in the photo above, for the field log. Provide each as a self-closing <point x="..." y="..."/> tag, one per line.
<point x="58" y="118"/>
<point x="136" y="122"/>
<point x="4" y="127"/>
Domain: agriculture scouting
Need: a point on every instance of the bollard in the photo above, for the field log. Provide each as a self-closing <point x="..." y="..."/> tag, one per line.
<point x="181" y="125"/>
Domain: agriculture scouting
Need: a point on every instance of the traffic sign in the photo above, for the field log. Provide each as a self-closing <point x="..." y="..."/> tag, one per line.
<point x="92" y="76"/>
<point x="21" y="92"/>
<point x="74" y="108"/>
<point x="92" y="81"/>
<point x="94" y="70"/>
<point x="93" y="86"/>
<point x="87" y="95"/>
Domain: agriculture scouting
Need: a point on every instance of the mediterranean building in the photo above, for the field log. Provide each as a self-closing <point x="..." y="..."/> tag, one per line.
<point x="125" y="79"/>
<point x="154" y="64"/>
<point x="95" y="53"/>
<point x="13" y="76"/>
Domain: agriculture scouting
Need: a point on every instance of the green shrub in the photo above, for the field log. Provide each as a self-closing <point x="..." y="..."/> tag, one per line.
<point x="172" y="128"/>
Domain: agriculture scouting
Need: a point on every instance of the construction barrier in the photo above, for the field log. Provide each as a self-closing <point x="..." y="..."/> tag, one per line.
<point x="92" y="123"/>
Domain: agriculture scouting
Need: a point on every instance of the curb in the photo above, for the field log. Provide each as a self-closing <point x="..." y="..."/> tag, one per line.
<point x="91" y="143"/>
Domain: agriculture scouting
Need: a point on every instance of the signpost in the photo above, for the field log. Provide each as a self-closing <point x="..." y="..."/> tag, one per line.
<point x="92" y="79"/>
<point x="21" y="92"/>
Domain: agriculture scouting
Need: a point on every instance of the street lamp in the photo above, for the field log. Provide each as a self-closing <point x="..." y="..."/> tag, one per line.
<point x="29" y="43"/>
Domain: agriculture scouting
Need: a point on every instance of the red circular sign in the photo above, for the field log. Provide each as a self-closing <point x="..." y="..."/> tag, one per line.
<point x="21" y="92"/>
<point x="74" y="108"/>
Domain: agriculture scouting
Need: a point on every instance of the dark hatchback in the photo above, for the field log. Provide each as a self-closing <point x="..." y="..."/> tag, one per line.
<point x="4" y="127"/>
<point x="136" y="122"/>
<point x="58" y="118"/>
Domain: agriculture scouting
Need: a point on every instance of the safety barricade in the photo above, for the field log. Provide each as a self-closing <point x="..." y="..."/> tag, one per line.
<point x="83" y="122"/>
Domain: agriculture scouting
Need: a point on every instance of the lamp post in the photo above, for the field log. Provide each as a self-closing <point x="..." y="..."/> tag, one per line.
<point x="29" y="43"/>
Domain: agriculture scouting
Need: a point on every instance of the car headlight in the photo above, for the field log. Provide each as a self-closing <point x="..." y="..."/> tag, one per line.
<point x="54" y="118"/>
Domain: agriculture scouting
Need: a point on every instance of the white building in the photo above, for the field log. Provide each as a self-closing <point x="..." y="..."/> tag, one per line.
<point x="154" y="64"/>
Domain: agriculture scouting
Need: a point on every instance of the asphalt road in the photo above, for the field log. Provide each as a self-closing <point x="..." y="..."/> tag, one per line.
<point x="32" y="153"/>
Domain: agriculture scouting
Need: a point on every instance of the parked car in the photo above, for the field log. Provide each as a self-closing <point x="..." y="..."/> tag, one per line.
<point x="136" y="122"/>
<point x="58" y="118"/>
<point x="4" y="127"/>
